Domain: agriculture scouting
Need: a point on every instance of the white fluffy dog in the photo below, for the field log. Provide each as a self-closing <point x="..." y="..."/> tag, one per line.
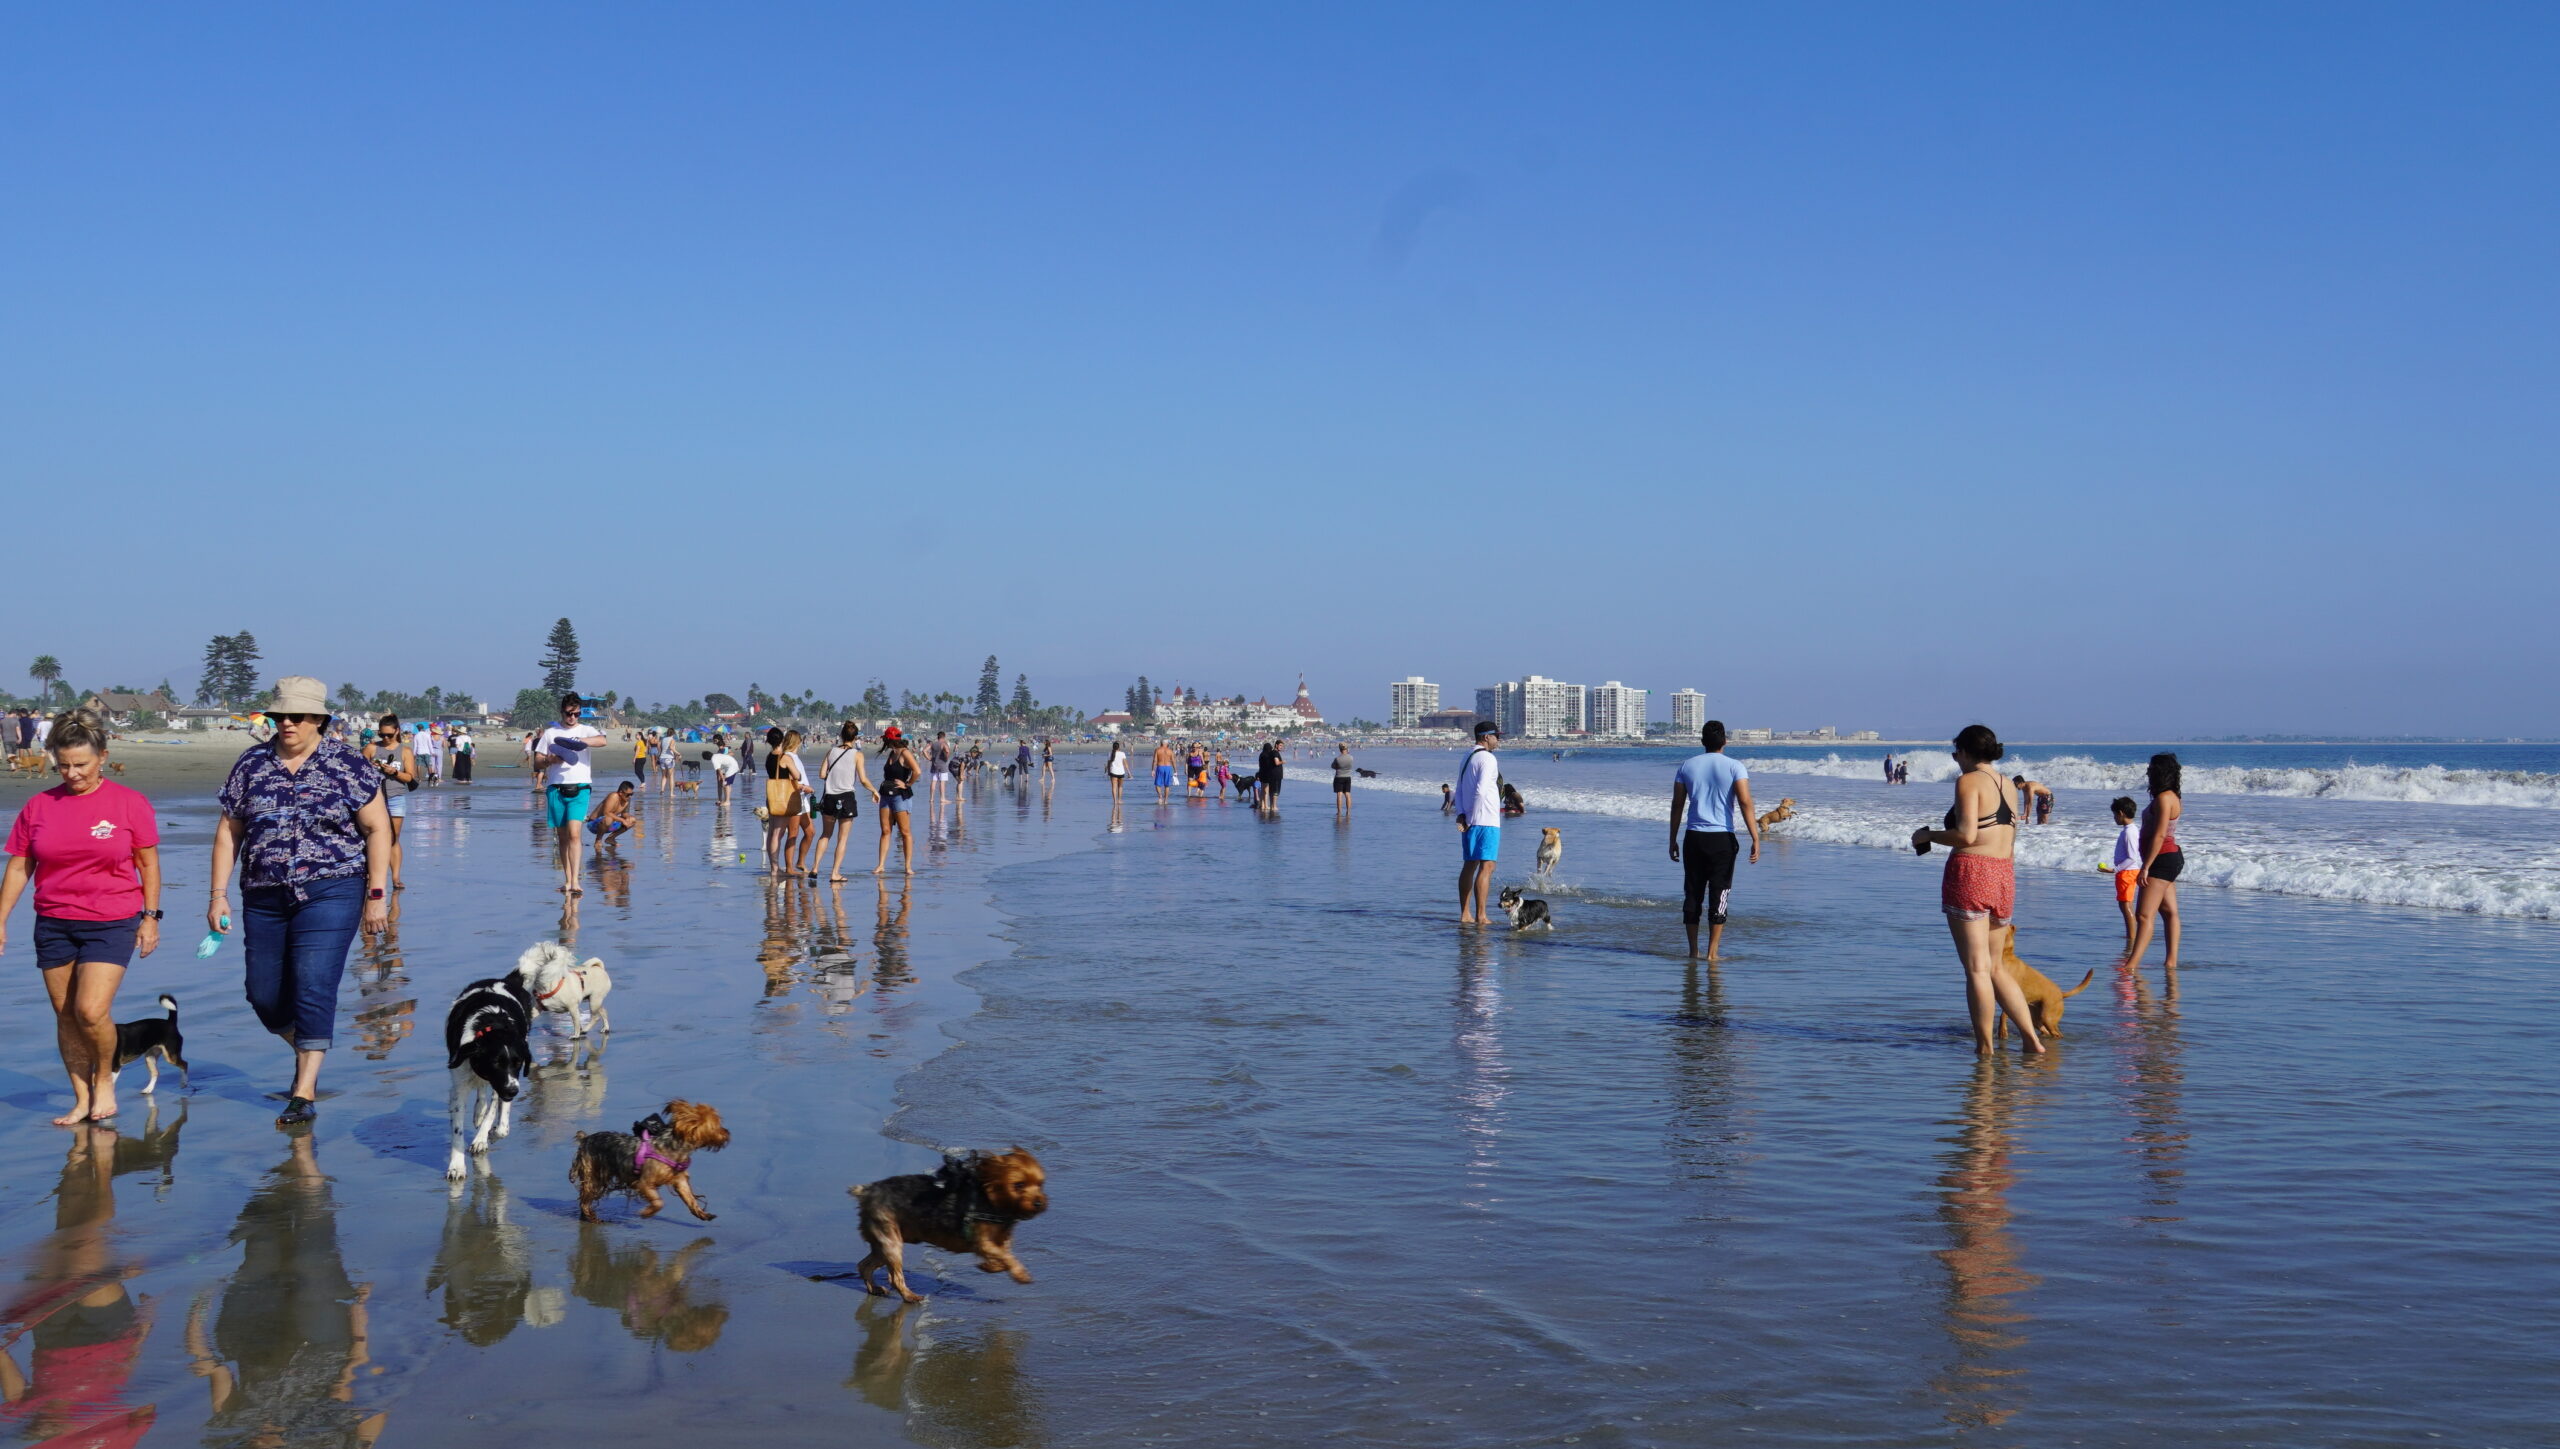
<point x="558" y="981"/>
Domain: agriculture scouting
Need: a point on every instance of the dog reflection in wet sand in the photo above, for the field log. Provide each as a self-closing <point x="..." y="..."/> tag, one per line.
<point x="656" y="1153"/>
<point x="968" y="1205"/>
<point x="652" y="1291"/>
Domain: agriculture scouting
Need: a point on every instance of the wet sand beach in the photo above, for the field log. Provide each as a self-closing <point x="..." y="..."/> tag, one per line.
<point x="1325" y="1167"/>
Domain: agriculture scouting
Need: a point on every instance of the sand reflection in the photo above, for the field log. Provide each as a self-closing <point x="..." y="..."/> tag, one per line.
<point x="1707" y="1129"/>
<point x="656" y="1295"/>
<point x="959" y="1382"/>
<point x="80" y="1333"/>
<point x="283" y="1350"/>
<point x="2156" y="1093"/>
<point x="1982" y="1261"/>
<point x="484" y="1265"/>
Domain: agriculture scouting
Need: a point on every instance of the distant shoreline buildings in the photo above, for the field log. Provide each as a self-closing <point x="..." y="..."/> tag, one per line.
<point x="1534" y="707"/>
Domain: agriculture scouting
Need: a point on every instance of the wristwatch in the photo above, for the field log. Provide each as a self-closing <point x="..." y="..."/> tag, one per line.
<point x="155" y="915"/>
<point x="373" y="894"/>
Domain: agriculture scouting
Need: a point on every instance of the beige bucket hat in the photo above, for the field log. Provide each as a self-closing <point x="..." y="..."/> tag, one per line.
<point x="300" y="694"/>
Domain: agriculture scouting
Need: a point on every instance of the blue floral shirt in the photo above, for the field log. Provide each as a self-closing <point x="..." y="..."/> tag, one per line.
<point x="299" y="826"/>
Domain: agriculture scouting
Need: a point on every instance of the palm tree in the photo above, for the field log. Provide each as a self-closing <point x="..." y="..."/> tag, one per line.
<point x="45" y="672"/>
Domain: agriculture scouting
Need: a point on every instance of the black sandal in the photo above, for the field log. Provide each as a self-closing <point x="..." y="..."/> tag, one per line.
<point x="296" y="1110"/>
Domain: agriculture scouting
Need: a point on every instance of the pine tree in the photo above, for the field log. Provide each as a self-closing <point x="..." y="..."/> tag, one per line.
<point x="559" y="663"/>
<point x="990" y="688"/>
<point x="214" y="685"/>
<point x="1022" y="696"/>
<point x="875" y="701"/>
<point x="1143" y="710"/>
<point x="243" y="668"/>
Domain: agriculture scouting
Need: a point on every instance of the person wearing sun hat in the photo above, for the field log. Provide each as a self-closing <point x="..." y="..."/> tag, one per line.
<point x="303" y="818"/>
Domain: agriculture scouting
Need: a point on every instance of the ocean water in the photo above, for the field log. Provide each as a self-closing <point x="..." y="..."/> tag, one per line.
<point x="1329" y="1169"/>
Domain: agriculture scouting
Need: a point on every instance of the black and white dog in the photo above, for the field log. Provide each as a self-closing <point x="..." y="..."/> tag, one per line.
<point x="1527" y="913"/>
<point x="152" y="1040"/>
<point x="488" y="1058"/>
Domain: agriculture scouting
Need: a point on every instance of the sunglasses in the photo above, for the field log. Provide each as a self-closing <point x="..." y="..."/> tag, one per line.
<point x="300" y="718"/>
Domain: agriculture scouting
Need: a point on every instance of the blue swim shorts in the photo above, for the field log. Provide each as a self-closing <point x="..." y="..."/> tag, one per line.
<point x="564" y="804"/>
<point x="1164" y="777"/>
<point x="61" y="941"/>
<point x="1484" y="842"/>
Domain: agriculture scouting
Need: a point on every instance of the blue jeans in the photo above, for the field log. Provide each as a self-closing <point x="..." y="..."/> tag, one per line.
<point x="296" y="944"/>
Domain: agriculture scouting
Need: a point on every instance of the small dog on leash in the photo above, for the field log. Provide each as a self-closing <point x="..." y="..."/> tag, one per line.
<point x="487" y="1057"/>
<point x="657" y="1152"/>
<point x="1550" y="851"/>
<point x="154" y="1040"/>
<point x="1786" y="811"/>
<point x="970" y="1204"/>
<point x="1527" y="913"/>
<point x="558" y="981"/>
<point x="2044" y="999"/>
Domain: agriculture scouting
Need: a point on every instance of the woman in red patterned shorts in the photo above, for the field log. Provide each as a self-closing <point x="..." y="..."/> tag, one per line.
<point x="1980" y="889"/>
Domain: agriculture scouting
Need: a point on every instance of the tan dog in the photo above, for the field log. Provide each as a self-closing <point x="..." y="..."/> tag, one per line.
<point x="1786" y="811"/>
<point x="2044" y="999"/>
<point x="690" y="787"/>
<point x="1550" y="851"/>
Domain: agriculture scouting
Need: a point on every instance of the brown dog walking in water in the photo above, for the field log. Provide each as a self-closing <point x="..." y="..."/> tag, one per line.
<point x="968" y="1205"/>
<point x="2044" y="999"/>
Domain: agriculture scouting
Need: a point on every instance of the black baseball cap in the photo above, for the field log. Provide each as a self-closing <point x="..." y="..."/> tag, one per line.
<point x="1487" y="727"/>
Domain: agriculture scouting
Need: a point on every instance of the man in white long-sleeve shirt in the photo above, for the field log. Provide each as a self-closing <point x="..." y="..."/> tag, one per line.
<point x="1479" y="812"/>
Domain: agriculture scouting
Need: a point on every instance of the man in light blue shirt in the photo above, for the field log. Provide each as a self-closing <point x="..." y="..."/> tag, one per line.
<point x="1710" y="804"/>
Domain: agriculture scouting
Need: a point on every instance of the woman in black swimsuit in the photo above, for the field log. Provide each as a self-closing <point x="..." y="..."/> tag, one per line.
<point x="897" y="794"/>
<point x="2156" y="889"/>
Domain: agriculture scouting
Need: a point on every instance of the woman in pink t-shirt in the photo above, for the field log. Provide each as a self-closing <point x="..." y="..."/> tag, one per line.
<point x="93" y="848"/>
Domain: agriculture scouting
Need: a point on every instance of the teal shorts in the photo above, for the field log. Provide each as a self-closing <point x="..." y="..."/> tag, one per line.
<point x="565" y="804"/>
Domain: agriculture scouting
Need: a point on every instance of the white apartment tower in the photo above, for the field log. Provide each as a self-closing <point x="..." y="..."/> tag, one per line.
<point x="1546" y="707"/>
<point x="1409" y="699"/>
<point x="1617" y="712"/>
<point x="1688" y="711"/>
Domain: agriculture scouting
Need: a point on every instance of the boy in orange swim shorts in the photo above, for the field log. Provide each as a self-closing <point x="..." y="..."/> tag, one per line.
<point x="2126" y="861"/>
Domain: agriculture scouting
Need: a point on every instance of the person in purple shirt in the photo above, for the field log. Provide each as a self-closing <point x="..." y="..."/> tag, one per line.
<point x="303" y="818"/>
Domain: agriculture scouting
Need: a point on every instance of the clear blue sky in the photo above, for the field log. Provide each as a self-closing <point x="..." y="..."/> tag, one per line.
<point x="2087" y="370"/>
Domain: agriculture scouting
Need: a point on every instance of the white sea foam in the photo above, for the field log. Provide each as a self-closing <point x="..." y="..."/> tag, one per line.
<point x="2398" y="784"/>
<point x="2346" y="865"/>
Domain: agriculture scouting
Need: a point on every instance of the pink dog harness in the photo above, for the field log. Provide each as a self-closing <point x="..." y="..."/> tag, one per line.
<point x="649" y="1153"/>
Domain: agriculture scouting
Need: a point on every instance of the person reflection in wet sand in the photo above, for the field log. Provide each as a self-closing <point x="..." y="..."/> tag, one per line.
<point x="485" y="1267"/>
<point x="1983" y="1258"/>
<point x="380" y="972"/>
<point x="653" y="1294"/>
<point x="283" y="1352"/>
<point x="86" y="1331"/>
<point x="786" y="927"/>
<point x="2160" y="1131"/>
<point x="964" y="1381"/>
<point x="613" y="876"/>
<point x="1708" y="1130"/>
<point x="1483" y="1076"/>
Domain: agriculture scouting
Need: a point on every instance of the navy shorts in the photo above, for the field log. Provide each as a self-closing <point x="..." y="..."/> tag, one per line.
<point x="63" y="942"/>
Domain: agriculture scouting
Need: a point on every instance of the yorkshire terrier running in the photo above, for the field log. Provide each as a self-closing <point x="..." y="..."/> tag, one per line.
<point x="968" y="1205"/>
<point x="657" y="1152"/>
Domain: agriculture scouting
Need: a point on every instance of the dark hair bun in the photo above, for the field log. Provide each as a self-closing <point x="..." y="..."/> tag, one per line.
<point x="1979" y="743"/>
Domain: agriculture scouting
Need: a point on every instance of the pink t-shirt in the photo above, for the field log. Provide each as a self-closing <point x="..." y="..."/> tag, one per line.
<point x="81" y="850"/>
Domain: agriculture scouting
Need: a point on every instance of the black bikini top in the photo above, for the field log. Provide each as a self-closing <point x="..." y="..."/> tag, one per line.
<point x="2001" y="816"/>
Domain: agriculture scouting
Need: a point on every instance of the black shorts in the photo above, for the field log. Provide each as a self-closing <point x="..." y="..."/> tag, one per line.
<point x="1342" y="784"/>
<point x="840" y="804"/>
<point x="2167" y="864"/>
<point x="1271" y="786"/>
<point x="1706" y="874"/>
<point x="61" y="941"/>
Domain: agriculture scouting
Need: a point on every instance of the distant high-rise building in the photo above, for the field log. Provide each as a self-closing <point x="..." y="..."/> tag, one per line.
<point x="1688" y="711"/>
<point x="1500" y="703"/>
<point x="1617" y="712"/>
<point x="1546" y="707"/>
<point x="1577" y="710"/>
<point x="1409" y="699"/>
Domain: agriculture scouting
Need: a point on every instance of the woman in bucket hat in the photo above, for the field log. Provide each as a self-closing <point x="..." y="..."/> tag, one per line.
<point x="302" y="815"/>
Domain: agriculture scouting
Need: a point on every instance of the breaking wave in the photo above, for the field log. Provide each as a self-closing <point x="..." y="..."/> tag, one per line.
<point x="2388" y="784"/>
<point x="2240" y="857"/>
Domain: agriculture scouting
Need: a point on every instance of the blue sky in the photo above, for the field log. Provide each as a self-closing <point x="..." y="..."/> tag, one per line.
<point x="2155" y="369"/>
